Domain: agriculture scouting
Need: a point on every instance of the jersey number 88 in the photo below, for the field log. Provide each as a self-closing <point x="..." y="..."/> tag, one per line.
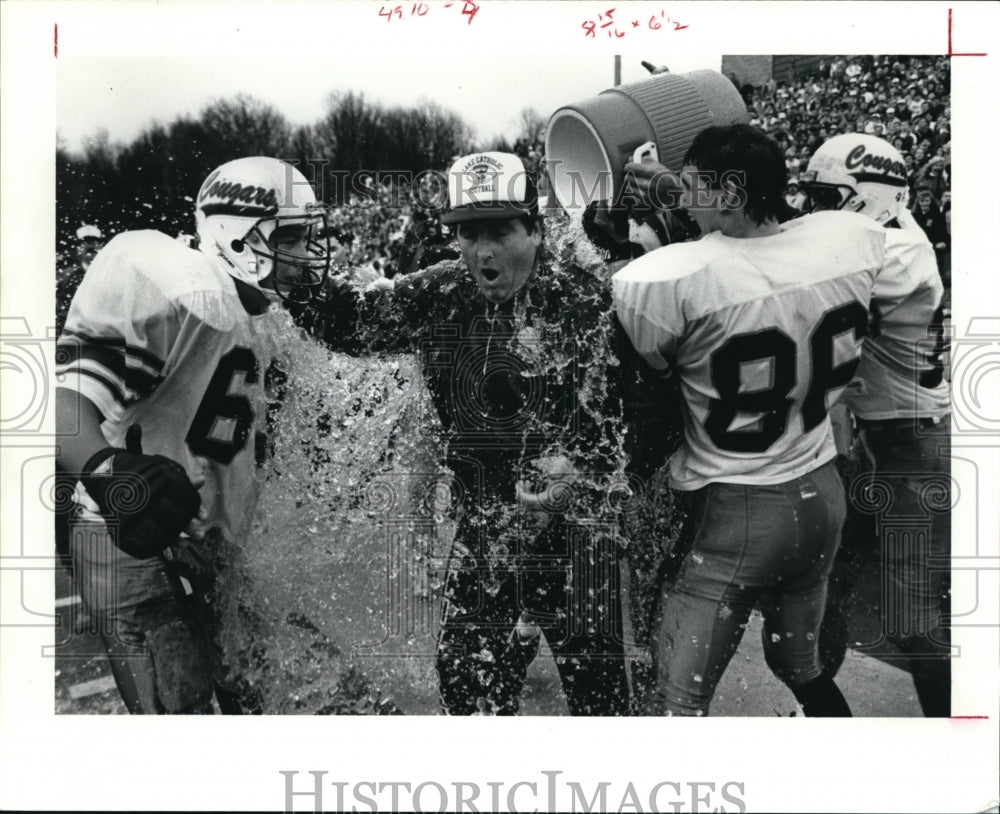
<point x="773" y="404"/>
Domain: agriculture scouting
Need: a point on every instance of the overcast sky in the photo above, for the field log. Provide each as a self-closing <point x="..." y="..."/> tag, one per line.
<point x="125" y="94"/>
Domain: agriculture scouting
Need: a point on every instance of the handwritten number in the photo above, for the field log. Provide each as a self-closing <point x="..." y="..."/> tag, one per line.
<point x="471" y="9"/>
<point x="419" y="9"/>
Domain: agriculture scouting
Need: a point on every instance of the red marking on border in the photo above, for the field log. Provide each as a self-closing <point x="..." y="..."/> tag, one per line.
<point x="951" y="53"/>
<point x="55" y="41"/>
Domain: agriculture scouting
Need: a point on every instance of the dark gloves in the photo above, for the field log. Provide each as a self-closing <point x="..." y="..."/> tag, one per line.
<point x="607" y="228"/>
<point x="147" y="500"/>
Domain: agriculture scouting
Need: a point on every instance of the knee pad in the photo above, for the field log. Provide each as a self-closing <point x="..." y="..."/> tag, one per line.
<point x="181" y="667"/>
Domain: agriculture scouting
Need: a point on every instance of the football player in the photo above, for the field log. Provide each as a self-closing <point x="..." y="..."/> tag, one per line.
<point x="901" y="402"/>
<point x="762" y="324"/>
<point x="160" y="410"/>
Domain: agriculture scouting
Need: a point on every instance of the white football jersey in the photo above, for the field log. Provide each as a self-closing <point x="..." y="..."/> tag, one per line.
<point x="764" y="334"/>
<point x="901" y="374"/>
<point x="157" y="336"/>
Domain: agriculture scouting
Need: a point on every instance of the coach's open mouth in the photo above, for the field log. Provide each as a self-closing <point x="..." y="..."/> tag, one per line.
<point x="490" y="275"/>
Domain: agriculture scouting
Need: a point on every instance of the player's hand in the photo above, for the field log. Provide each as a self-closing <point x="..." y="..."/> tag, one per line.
<point x="148" y="499"/>
<point x="188" y="551"/>
<point x="659" y="187"/>
<point x="608" y="230"/>
<point x="197" y="527"/>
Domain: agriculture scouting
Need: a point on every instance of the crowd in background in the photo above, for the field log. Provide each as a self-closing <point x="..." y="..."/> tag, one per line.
<point x="905" y="100"/>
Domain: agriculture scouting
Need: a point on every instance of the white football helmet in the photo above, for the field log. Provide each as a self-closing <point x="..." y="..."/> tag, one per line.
<point x="857" y="173"/>
<point x="261" y="216"/>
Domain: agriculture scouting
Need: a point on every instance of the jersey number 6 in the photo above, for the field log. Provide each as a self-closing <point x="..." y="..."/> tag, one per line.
<point x="218" y="404"/>
<point x="773" y="404"/>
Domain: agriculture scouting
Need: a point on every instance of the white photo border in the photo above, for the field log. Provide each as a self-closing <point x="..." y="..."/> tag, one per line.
<point x="110" y="763"/>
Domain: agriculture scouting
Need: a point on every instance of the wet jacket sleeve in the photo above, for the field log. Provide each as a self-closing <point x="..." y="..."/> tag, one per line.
<point x="384" y="319"/>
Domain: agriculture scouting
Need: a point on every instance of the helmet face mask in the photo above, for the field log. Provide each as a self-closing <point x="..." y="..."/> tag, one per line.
<point x="824" y="196"/>
<point x="292" y="258"/>
<point x="866" y="173"/>
<point x="261" y="217"/>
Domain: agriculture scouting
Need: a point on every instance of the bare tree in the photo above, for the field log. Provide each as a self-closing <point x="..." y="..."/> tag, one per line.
<point x="532" y="125"/>
<point x="246" y="126"/>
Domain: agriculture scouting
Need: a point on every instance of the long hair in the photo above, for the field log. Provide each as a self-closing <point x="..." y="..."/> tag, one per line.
<point x="739" y="151"/>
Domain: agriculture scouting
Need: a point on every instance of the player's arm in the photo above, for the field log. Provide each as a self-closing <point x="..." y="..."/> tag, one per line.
<point x="110" y="357"/>
<point x="652" y="405"/>
<point x="387" y="318"/>
<point x="649" y="314"/>
<point x="332" y="317"/>
<point x="78" y="429"/>
<point x="657" y="186"/>
<point x="148" y="500"/>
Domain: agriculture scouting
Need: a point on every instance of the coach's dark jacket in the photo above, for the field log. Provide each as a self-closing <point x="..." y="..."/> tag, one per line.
<point x="545" y="372"/>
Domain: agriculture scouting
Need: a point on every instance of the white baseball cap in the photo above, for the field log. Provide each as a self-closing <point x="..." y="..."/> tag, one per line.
<point x="489" y="186"/>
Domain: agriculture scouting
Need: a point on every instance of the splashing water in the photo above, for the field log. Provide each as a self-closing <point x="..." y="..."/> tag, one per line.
<point x="332" y="603"/>
<point x="329" y="603"/>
